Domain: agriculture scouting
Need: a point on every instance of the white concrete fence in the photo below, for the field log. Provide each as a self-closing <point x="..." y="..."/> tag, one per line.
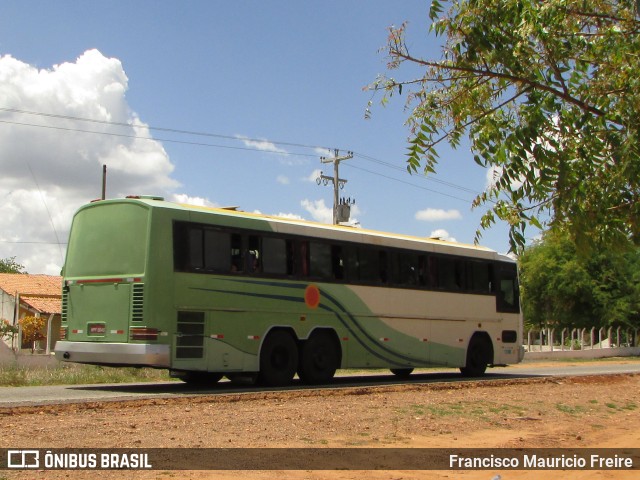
<point x="581" y="343"/>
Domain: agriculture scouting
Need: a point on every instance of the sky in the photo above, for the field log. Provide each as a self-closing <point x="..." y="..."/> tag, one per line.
<point x="216" y="103"/>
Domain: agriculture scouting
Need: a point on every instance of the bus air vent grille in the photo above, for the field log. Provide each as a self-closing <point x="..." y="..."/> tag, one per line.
<point x="65" y="306"/>
<point x="137" y="302"/>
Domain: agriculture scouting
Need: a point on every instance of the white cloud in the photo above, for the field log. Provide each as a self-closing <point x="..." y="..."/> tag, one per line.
<point x="322" y="213"/>
<point x="318" y="210"/>
<point x="283" y="180"/>
<point x="186" y="199"/>
<point x="50" y="168"/>
<point x="436" y="214"/>
<point x="313" y="177"/>
<point x="442" y="235"/>
<point x="324" y="152"/>
<point x="261" y="144"/>
<point x="494" y="172"/>
<point x="285" y="157"/>
<point x="292" y="216"/>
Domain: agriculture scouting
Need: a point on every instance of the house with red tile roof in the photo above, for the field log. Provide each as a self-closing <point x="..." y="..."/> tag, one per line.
<point x="22" y="294"/>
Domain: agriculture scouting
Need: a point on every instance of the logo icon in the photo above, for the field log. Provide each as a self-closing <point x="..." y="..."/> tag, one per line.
<point x="312" y="296"/>
<point x="23" y="459"/>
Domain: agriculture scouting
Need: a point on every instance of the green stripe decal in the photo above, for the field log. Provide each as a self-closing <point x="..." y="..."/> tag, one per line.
<point x="353" y="326"/>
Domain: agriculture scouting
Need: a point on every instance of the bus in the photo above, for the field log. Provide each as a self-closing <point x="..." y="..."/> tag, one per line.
<point x="212" y="292"/>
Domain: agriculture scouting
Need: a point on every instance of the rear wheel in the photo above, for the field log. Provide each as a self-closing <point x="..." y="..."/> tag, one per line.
<point x="319" y="358"/>
<point x="278" y="359"/>
<point x="402" y="372"/>
<point x="479" y="356"/>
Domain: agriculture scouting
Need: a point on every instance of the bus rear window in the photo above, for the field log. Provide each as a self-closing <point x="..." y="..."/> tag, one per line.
<point x="108" y="239"/>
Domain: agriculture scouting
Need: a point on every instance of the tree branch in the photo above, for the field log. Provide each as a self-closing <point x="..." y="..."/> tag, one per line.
<point x="513" y="78"/>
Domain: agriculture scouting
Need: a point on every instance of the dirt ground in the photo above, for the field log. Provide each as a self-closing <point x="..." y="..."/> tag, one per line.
<point x="579" y="412"/>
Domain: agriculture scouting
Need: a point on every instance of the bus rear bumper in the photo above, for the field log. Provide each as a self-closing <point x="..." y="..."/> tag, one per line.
<point x="114" y="354"/>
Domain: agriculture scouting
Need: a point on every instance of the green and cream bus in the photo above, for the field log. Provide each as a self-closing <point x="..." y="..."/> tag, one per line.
<point x="208" y="293"/>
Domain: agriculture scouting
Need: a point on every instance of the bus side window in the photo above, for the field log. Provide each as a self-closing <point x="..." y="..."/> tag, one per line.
<point x="303" y="256"/>
<point x="423" y="277"/>
<point x="368" y="265"/>
<point x="408" y="269"/>
<point x="320" y="260"/>
<point x="351" y="263"/>
<point x="384" y="266"/>
<point x="446" y="274"/>
<point x="291" y="255"/>
<point x="253" y="256"/>
<point x="236" y="253"/>
<point x="181" y="247"/>
<point x="337" y="262"/>
<point x="507" y="299"/>
<point x="196" y="255"/>
<point x="275" y="256"/>
<point x="372" y="266"/>
<point x="432" y="272"/>
<point x="216" y="246"/>
<point x="478" y="277"/>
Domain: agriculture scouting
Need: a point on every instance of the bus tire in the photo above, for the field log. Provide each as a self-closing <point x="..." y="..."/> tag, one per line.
<point x="278" y="359"/>
<point x="200" y="379"/>
<point x="319" y="358"/>
<point x="402" y="372"/>
<point x="479" y="356"/>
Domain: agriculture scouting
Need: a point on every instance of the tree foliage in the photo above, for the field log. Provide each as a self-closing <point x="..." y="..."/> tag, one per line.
<point x="561" y="287"/>
<point x="7" y="330"/>
<point x="9" y="265"/>
<point x="33" y="329"/>
<point x="549" y="94"/>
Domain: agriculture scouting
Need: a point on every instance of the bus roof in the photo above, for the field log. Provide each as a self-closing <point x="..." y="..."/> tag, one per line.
<point x="326" y="231"/>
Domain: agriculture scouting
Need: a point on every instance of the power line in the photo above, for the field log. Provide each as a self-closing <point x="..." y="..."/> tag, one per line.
<point x="168" y="140"/>
<point x="159" y="129"/>
<point x="231" y="147"/>
<point x="46" y="207"/>
<point x="409" y="183"/>
<point x="404" y="170"/>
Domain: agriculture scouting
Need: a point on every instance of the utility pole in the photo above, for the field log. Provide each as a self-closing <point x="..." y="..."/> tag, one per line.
<point x="338" y="183"/>
<point x="104" y="182"/>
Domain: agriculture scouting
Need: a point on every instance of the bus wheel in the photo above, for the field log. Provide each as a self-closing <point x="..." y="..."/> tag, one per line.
<point x="200" y="379"/>
<point x="402" y="372"/>
<point x="319" y="358"/>
<point x="278" y="359"/>
<point x="479" y="355"/>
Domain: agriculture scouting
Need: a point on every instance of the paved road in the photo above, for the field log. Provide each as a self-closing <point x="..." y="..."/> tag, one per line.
<point x="33" y="396"/>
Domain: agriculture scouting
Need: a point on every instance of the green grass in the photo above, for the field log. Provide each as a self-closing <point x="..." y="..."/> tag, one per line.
<point x="13" y="375"/>
<point x="619" y="408"/>
<point x="570" y="409"/>
<point x="481" y="410"/>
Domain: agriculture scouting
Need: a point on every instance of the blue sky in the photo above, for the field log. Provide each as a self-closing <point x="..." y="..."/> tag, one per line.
<point x="267" y="81"/>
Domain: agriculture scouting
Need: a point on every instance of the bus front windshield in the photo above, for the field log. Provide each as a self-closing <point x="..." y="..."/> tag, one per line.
<point x="108" y="239"/>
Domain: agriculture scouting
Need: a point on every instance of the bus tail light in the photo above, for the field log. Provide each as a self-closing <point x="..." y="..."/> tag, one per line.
<point x="63" y="333"/>
<point x="143" y="333"/>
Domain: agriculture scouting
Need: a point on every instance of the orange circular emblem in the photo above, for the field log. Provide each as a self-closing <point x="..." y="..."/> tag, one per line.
<point x="312" y="296"/>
